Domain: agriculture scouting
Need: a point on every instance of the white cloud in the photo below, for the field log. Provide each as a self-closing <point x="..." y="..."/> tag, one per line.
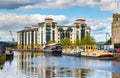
<point x="16" y="22"/>
<point x="105" y="5"/>
<point x="99" y="28"/>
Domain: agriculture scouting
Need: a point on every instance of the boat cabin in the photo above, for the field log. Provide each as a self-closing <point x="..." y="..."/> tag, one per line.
<point x="54" y="49"/>
<point x="53" y="46"/>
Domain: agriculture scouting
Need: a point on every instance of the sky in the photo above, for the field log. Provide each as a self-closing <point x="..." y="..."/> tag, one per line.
<point x="17" y="14"/>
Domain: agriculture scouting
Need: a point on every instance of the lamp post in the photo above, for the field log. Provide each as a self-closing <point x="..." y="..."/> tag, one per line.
<point x="107" y="34"/>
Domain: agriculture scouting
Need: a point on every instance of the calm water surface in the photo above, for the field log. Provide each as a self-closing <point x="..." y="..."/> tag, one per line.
<point x="38" y="65"/>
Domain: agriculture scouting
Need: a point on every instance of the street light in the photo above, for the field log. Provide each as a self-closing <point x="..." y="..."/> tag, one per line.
<point x="107" y="35"/>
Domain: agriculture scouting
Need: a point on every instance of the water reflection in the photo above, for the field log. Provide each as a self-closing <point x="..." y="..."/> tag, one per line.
<point x="37" y="65"/>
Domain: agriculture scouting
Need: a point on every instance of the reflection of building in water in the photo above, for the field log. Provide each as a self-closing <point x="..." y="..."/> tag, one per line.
<point x="77" y="73"/>
<point x="24" y="64"/>
<point x="116" y="75"/>
<point x="36" y="65"/>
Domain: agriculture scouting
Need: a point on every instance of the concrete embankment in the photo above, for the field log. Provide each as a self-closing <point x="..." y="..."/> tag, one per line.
<point x="116" y="56"/>
<point x="31" y="50"/>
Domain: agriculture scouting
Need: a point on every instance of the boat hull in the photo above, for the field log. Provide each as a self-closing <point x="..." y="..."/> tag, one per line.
<point x="9" y="56"/>
<point x="52" y="52"/>
<point x="76" y="54"/>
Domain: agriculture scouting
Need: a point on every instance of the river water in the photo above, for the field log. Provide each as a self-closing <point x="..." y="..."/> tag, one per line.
<point x="38" y="65"/>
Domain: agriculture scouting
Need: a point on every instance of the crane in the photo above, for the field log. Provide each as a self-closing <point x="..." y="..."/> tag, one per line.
<point x="12" y="36"/>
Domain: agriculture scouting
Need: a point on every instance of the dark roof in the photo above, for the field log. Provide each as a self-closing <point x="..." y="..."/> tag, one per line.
<point x="64" y="26"/>
<point x="80" y="20"/>
<point x="32" y="29"/>
<point x="48" y="19"/>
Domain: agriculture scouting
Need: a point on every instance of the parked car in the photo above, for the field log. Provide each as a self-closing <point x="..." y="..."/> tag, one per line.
<point x="118" y="50"/>
<point x="112" y="50"/>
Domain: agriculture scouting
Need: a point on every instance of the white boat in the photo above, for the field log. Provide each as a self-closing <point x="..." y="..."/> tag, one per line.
<point x="53" y="49"/>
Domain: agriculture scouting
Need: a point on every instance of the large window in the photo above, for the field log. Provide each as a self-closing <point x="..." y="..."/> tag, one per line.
<point x="25" y="34"/>
<point x="62" y="35"/>
<point x="53" y="35"/>
<point x="68" y="34"/>
<point x="82" y="31"/>
<point x="77" y="34"/>
<point x="53" y="25"/>
<point x="41" y="37"/>
<point x="41" y="24"/>
<point x="32" y="39"/>
<point x="28" y="38"/>
<point x="77" y="25"/>
<point x="36" y="37"/>
<point x="48" y="32"/>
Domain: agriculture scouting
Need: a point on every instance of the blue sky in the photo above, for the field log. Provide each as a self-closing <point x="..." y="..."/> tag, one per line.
<point x="17" y="14"/>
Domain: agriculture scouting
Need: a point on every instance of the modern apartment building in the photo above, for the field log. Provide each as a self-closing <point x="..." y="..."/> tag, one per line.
<point x="116" y="31"/>
<point x="33" y="37"/>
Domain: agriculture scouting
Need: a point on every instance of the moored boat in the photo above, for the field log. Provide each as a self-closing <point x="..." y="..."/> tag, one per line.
<point x="53" y="49"/>
<point x="99" y="54"/>
<point x="9" y="55"/>
<point x="71" y="51"/>
<point x="76" y="54"/>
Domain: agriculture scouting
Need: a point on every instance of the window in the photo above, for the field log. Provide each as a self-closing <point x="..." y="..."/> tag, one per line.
<point x="77" y="34"/>
<point x="53" y="25"/>
<point x="41" y="24"/>
<point x="77" y="25"/>
<point x="48" y="25"/>
<point x="53" y="34"/>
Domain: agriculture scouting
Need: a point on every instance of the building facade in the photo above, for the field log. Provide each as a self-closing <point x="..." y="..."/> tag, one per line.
<point x="116" y="31"/>
<point x="33" y="37"/>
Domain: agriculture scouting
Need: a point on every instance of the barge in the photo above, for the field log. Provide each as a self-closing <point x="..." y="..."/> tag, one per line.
<point x="71" y="51"/>
<point x="53" y="49"/>
<point x="97" y="54"/>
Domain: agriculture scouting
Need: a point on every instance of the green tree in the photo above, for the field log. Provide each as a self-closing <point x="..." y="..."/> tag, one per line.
<point x="51" y="41"/>
<point x="88" y="40"/>
<point x="65" y="41"/>
<point x="108" y="41"/>
<point x="77" y="42"/>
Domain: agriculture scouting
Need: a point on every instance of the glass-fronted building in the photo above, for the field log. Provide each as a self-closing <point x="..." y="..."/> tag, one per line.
<point x="33" y="37"/>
